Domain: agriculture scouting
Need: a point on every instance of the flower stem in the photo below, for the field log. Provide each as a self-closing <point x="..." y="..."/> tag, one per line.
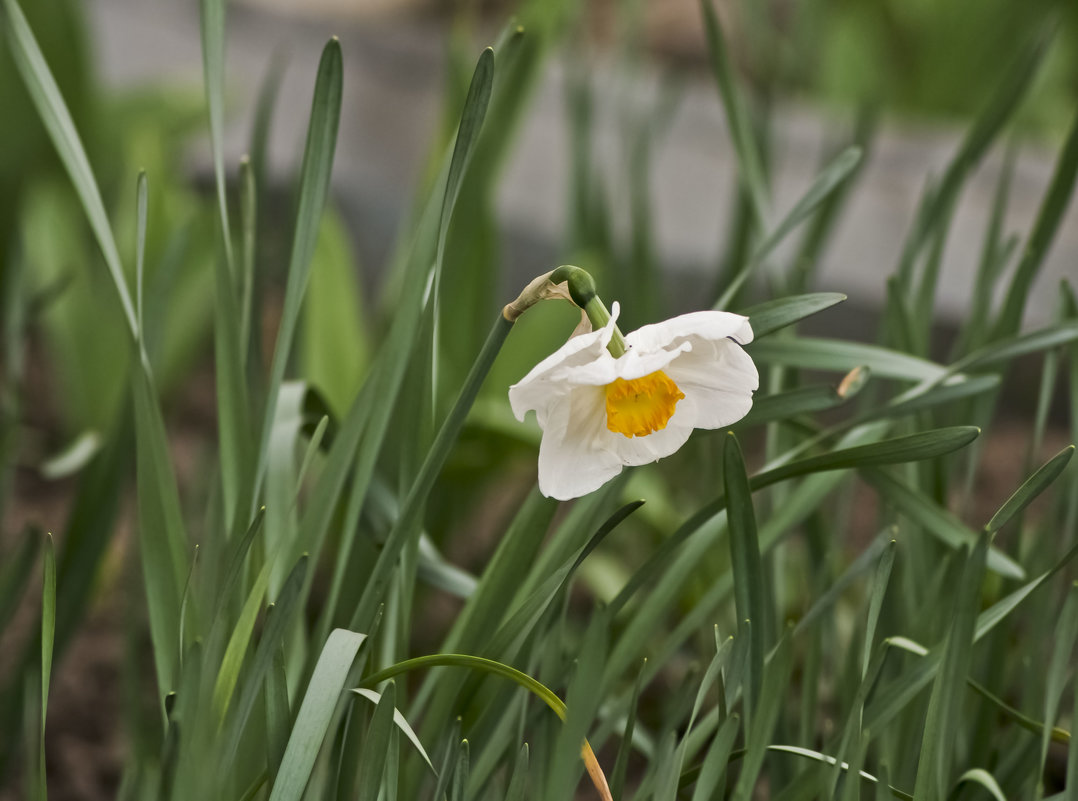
<point x="582" y="291"/>
<point x="599" y="317"/>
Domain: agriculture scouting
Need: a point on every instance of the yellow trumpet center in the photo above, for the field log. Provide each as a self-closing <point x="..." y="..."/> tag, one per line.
<point x="641" y="406"/>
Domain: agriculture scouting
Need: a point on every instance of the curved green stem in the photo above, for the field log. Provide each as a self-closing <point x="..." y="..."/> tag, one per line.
<point x="582" y="291"/>
<point x="534" y="686"/>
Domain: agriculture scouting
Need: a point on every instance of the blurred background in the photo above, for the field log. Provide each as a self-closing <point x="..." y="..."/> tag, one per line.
<point x="820" y="72"/>
<point x="621" y="159"/>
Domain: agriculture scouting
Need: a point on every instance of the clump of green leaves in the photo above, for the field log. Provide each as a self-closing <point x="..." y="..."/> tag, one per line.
<point x="725" y="634"/>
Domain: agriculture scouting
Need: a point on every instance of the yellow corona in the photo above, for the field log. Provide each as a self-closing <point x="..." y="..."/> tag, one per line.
<point x="641" y="406"/>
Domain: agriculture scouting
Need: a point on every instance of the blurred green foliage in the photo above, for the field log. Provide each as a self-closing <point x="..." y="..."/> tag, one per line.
<point x="374" y="480"/>
<point x="929" y="58"/>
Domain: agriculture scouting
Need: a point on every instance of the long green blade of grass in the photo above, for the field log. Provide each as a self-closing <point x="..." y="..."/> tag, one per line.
<point x="372" y="760"/>
<point x="741" y="129"/>
<point x="45" y="94"/>
<point x="772" y="315"/>
<point x="1059" y="666"/>
<point x="212" y="18"/>
<point x="1044" y="231"/>
<point x="48" y="633"/>
<point x="313" y="193"/>
<point x="820" y="189"/>
<point x="832" y="354"/>
<point x="913" y="447"/>
<point x="313" y="719"/>
<point x="749" y="589"/>
<point x="944" y="706"/>
<point x="1030" y="489"/>
<point x="936" y="520"/>
<point x="401" y="723"/>
<point x="760" y="730"/>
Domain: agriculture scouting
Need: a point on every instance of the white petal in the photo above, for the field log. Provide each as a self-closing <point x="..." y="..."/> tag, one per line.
<point x="718" y="379"/>
<point x="709" y="325"/>
<point x="570" y="464"/>
<point x="657" y="445"/>
<point x="639" y="362"/>
<point x="545" y="381"/>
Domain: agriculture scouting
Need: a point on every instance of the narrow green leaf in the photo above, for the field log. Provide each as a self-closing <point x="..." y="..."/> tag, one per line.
<point x="140" y="248"/>
<point x="1030" y="489"/>
<point x="248" y="238"/>
<point x="368" y="419"/>
<point x="372" y="759"/>
<point x="785" y="405"/>
<point x="315" y="712"/>
<point x="1060" y="665"/>
<point x="162" y="540"/>
<point x="233" y="407"/>
<point x="448" y="761"/>
<point x="827" y="601"/>
<point x="460" y="773"/>
<point x="185" y="598"/>
<point x="334" y="345"/>
<point x="875" y="602"/>
<point x="471" y="123"/>
<point x="713" y="768"/>
<point x="896" y="450"/>
<point x="399" y="720"/>
<point x="822" y="186"/>
<point x="434" y="569"/>
<point x="237" y="644"/>
<point x="536" y="688"/>
<point x="936" y="520"/>
<point x="939" y="395"/>
<point x="851" y="790"/>
<point x="1025" y="721"/>
<point x="925" y="445"/>
<point x="45" y="95"/>
<point x="313" y="193"/>
<point x="745" y="146"/>
<point x="944" y="705"/>
<point x="268" y="91"/>
<point x="749" y="590"/>
<point x="278" y="618"/>
<point x="518" y="782"/>
<point x="625" y="748"/>
<point x="1072" y="750"/>
<point x="832" y="354"/>
<point x="1005" y="350"/>
<point x="212" y="19"/>
<point x="235" y="560"/>
<point x="983" y="778"/>
<point x="48" y="632"/>
<point x="582" y="699"/>
<point x="776" y="677"/>
<point x="1001" y="106"/>
<point x="816" y="756"/>
<point x="278" y="714"/>
<point x="1049" y="217"/>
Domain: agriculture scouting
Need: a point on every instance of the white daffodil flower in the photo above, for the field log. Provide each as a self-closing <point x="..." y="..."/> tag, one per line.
<point x="599" y="413"/>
